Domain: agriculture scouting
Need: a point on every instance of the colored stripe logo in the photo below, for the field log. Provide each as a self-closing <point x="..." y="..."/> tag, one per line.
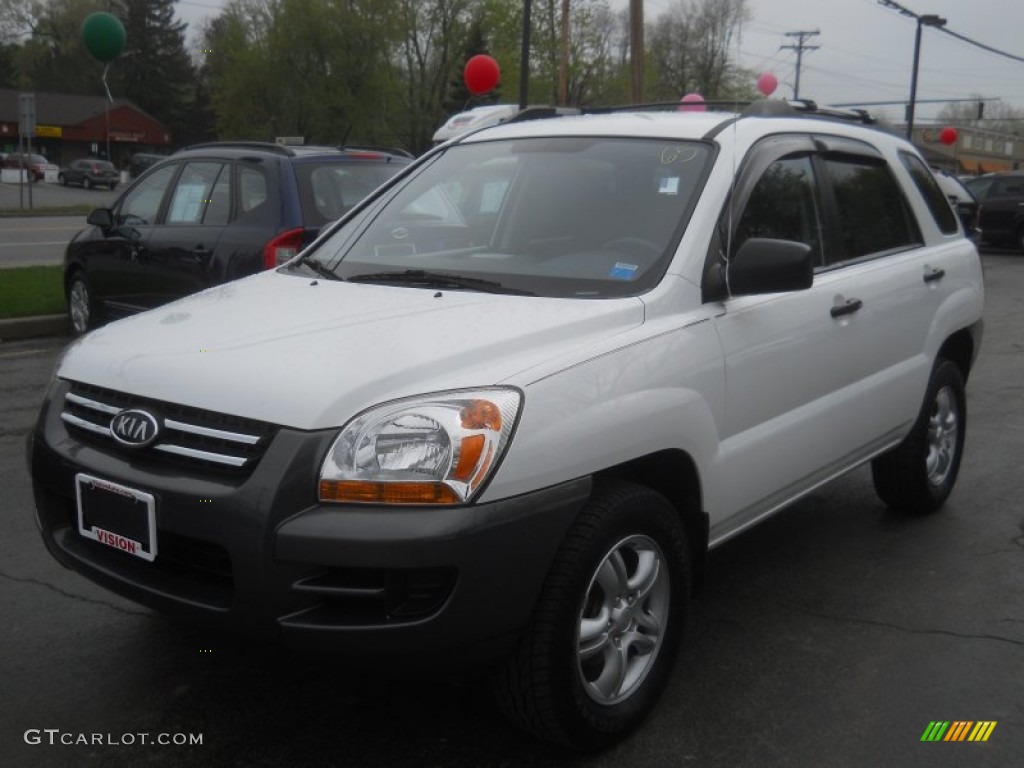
<point x="958" y="730"/>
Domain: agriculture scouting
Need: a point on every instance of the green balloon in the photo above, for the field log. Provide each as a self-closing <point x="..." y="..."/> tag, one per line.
<point x="103" y="35"/>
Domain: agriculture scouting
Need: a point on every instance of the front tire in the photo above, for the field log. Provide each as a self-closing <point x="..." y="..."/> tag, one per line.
<point x="1019" y="239"/>
<point x="608" y="624"/>
<point x="918" y="475"/>
<point x="80" y="304"/>
<point x="86" y="183"/>
<point x="62" y="179"/>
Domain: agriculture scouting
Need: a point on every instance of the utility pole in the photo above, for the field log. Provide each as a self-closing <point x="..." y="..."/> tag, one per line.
<point x="524" y="57"/>
<point x="636" y="49"/>
<point x="563" y="69"/>
<point x="800" y="47"/>
<point x="927" y="20"/>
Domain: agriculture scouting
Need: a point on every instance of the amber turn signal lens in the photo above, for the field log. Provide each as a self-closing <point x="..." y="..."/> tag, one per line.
<point x="366" y="491"/>
<point x="481" y="414"/>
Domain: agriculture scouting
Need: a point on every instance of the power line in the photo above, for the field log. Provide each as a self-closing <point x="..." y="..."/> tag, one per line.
<point x="907" y="12"/>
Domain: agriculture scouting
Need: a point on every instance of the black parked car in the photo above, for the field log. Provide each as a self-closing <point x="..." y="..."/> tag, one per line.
<point x="209" y="214"/>
<point x="1002" y="207"/>
<point x="90" y="173"/>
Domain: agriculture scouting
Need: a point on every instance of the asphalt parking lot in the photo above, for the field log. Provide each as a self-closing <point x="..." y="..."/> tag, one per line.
<point x="831" y="635"/>
<point x="15" y="196"/>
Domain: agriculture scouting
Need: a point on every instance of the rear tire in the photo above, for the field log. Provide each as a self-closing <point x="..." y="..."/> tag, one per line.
<point x="86" y="183"/>
<point x="62" y="179"/>
<point x="1019" y="239"/>
<point x="608" y="624"/>
<point x="918" y="475"/>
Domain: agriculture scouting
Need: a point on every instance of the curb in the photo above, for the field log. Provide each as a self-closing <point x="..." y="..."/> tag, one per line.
<point x="31" y="327"/>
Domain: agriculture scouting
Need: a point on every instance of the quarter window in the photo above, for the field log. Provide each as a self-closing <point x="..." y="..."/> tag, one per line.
<point x="873" y="215"/>
<point x="252" y="188"/>
<point x="929" y="188"/>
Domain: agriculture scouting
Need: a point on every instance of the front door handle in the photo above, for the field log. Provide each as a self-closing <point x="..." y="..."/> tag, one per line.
<point x="851" y="306"/>
<point x="934" y="274"/>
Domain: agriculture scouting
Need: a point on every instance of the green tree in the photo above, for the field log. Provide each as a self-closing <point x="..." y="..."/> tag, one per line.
<point x="459" y="97"/>
<point x="155" y="71"/>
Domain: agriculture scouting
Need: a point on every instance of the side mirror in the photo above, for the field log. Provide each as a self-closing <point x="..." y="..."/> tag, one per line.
<point x="102" y="218"/>
<point x="762" y="265"/>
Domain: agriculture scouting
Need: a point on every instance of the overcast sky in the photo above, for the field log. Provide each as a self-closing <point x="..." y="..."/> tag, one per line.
<point x="865" y="50"/>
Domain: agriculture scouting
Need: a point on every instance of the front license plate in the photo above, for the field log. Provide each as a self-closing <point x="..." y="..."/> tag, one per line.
<point x="119" y="517"/>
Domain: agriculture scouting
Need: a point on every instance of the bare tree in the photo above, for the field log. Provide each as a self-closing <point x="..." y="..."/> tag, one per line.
<point x="690" y="49"/>
<point x="998" y="116"/>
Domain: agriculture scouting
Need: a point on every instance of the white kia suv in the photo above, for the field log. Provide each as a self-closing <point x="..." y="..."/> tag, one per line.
<point x="500" y="412"/>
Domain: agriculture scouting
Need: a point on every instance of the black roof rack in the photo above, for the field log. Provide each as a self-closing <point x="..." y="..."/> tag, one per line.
<point x="807" y="106"/>
<point x="265" y="146"/>
<point x="758" y="108"/>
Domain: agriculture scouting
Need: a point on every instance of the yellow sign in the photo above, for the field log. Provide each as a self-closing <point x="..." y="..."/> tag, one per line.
<point x="49" y="131"/>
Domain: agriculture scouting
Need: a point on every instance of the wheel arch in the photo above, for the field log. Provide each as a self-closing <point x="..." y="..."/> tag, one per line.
<point x="959" y="349"/>
<point x="673" y="473"/>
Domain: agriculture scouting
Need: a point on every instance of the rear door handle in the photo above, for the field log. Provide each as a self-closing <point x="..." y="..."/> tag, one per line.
<point x="851" y="306"/>
<point x="934" y="274"/>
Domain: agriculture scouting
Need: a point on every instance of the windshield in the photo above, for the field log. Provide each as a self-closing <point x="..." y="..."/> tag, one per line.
<point x="572" y="217"/>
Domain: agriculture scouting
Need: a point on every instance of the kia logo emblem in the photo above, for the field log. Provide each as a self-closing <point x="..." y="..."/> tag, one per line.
<point x="134" y="427"/>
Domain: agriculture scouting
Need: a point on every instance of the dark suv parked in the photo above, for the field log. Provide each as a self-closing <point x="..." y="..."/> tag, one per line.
<point x="90" y="173"/>
<point x="1002" y="207"/>
<point x="209" y="214"/>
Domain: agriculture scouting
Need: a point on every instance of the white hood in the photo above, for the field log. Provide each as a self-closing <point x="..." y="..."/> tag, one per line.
<point x="311" y="354"/>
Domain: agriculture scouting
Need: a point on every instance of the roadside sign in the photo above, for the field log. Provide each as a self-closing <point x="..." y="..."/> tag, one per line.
<point x="26" y="114"/>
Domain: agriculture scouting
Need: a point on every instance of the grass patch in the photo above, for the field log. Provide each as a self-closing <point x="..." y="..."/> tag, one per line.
<point x="29" y="291"/>
<point x="52" y="210"/>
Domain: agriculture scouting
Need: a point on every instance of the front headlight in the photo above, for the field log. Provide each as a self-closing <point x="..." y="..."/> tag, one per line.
<point x="434" y="449"/>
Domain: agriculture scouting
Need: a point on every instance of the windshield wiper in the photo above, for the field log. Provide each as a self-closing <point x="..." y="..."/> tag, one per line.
<point x="320" y="269"/>
<point x="438" y="280"/>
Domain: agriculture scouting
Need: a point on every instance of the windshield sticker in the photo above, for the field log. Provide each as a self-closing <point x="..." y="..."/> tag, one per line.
<point x="669" y="185"/>
<point x="623" y="271"/>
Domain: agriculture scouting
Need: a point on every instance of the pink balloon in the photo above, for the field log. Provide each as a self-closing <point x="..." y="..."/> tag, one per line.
<point x="692" y="102"/>
<point x="767" y="83"/>
<point x="948" y="135"/>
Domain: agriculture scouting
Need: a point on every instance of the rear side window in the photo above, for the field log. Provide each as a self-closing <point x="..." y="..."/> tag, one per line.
<point x="194" y="193"/>
<point x="873" y="215"/>
<point x="1012" y="187"/>
<point x="929" y="188"/>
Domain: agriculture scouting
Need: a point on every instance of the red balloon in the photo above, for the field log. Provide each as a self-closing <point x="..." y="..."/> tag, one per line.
<point x="948" y="135"/>
<point x="767" y="83"/>
<point x="481" y="74"/>
<point x="692" y="102"/>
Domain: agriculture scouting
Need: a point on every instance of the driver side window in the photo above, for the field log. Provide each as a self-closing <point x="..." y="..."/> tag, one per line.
<point x="142" y="204"/>
<point x="783" y="206"/>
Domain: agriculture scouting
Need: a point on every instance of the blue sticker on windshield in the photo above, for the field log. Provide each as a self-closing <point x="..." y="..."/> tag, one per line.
<point x="623" y="271"/>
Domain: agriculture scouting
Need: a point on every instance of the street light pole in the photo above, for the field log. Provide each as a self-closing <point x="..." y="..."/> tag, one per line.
<point x="928" y="20"/>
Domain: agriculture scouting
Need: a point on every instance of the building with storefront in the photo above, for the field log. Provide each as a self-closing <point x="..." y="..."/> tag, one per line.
<point x="974" y="152"/>
<point x="70" y="127"/>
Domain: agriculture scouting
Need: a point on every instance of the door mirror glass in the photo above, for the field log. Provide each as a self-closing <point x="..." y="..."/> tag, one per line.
<point x="102" y="218"/>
